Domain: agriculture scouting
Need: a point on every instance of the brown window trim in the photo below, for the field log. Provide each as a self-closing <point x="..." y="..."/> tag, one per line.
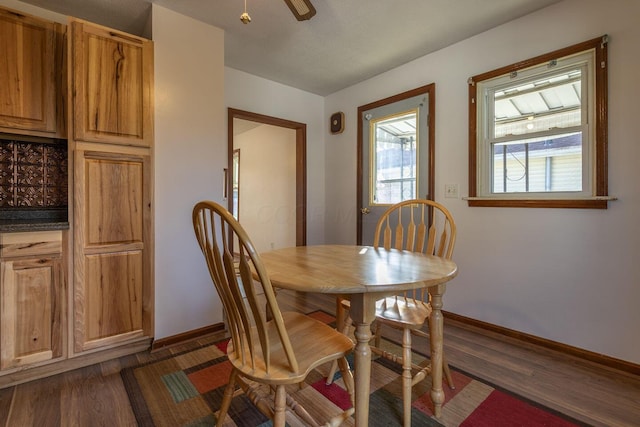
<point x="595" y="203"/>
<point x="599" y="200"/>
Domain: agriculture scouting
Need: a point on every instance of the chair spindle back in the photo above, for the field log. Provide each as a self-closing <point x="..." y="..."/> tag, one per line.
<point x="417" y="225"/>
<point x="215" y="227"/>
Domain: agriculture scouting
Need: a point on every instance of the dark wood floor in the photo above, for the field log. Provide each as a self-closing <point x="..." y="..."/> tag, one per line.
<point x="95" y="396"/>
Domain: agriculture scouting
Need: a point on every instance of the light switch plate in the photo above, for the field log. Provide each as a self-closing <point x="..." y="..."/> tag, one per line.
<point x="451" y="191"/>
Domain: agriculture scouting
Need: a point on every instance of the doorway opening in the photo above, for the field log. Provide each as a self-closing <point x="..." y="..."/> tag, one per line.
<point x="281" y="208"/>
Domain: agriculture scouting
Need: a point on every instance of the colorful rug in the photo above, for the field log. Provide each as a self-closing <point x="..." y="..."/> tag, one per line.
<point x="186" y="390"/>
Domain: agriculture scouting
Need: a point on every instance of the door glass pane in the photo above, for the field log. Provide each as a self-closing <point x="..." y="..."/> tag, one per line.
<point x="394" y="171"/>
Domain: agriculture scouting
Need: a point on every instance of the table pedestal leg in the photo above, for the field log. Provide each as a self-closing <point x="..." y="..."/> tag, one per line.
<point x="436" y="329"/>
<point x="362" y="313"/>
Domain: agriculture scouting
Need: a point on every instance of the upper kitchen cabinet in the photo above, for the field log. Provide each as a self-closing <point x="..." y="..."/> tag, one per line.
<point x="112" y="86"/>
<point x="32" y="76"/>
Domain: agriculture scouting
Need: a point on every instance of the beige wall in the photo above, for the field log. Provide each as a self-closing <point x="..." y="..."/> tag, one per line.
<point x="190" y="154"/>
<point x="567" y="275"/>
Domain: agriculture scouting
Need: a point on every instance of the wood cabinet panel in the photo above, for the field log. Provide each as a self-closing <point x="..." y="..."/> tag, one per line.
<point x="30" y="321"/>
<point x="113" y="297"/>
<point x="30" y="77"/>
<point x="112" y="189"/>
<point x="114" y="212"/>
<point x="113" y="86"/>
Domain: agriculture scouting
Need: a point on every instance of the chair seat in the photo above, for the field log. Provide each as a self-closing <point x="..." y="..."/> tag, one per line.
<point x="402" y="312"/>
<point x="309" y="350"/>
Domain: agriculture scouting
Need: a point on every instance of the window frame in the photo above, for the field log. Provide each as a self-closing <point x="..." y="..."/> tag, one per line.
<point x="598" y="199"/>
<point x="373" y="141"/>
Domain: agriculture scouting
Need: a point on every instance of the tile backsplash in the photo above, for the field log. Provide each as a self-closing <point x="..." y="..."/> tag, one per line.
<point x="33" y="174"/>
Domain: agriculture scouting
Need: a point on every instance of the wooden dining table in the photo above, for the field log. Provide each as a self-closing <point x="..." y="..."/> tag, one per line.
<point x="364" y="275"/>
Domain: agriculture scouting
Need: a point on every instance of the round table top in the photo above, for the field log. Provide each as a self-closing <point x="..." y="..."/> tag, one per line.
<point x="346" y="269"/>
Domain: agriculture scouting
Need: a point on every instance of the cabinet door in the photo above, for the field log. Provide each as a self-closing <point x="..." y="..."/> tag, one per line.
<point x="113" y="298"/>
<point x="113" y="86"/>
<point x="30" y="313"/>
<point x="30" y="75"/>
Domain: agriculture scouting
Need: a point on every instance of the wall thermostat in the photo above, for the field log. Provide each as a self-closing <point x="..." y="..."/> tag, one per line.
<point x="337" y="123"/>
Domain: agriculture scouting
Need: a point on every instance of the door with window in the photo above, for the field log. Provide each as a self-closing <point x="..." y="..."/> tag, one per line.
<point x="395" y="154"/>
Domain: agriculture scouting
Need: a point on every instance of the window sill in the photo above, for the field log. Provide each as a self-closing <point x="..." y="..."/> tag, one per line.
<point x="598" y="202"/>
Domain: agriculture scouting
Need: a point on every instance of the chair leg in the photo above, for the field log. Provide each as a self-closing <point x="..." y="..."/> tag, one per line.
<point x="334" y="364"/>
<point x="377" y="334"/>
<point x="343" y="321"/>
<point x="226" y="400"/>
<point x="332" y="372"/>
<point x="280" y="406"/>
<point x="445" y="365"/>
<point x="447" y="372"/>
<point x="407" y="378"/>
<point x="347" y="377"/>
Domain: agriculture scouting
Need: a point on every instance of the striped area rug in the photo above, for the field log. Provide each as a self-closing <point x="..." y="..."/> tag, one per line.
<point x="186" y="390"/>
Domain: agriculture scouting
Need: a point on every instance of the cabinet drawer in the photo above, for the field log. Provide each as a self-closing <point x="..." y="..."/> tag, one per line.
<point x="30" y="244"/>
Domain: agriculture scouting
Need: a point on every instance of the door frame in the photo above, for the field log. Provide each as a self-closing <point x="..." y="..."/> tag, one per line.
<point x="301" y="162"/>
<point x="430" y="91"/>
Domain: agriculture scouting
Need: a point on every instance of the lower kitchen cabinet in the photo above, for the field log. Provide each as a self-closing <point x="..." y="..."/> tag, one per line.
<point x="32" y="291"/>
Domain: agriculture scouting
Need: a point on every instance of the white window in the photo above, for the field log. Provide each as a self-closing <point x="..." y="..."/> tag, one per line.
<point x="540" y="131"/>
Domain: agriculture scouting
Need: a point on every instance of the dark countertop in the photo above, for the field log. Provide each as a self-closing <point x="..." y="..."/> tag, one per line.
<point x="13" y="226"/>
<point x="17" y="220"/>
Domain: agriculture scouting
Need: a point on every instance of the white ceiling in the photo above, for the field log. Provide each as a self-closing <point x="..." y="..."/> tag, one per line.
<point x="346" y="42"/>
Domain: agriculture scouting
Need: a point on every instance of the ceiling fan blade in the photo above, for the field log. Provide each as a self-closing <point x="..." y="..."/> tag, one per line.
<point x="302" y="9"/>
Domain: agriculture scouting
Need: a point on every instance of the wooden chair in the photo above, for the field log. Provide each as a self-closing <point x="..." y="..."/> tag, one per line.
<point x="276" y="351"/>
<point x="417" y="225"/>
